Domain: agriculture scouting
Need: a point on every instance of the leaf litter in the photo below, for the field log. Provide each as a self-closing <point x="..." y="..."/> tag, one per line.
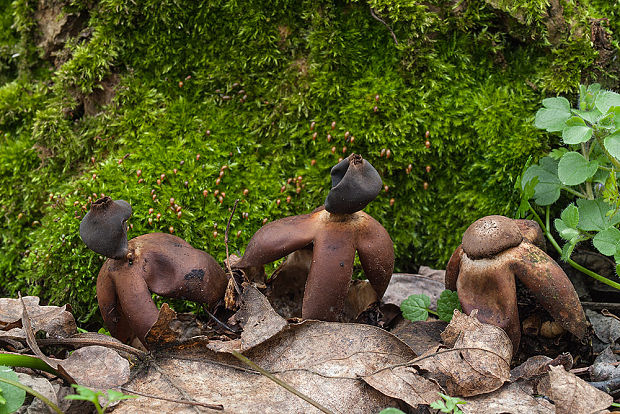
<point x="344" y="367"/>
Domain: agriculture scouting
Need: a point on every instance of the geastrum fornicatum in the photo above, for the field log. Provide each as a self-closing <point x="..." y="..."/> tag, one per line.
<point x="335" y="232"/>
<point x="152" y="263"/>
<point x="482" y="270"/>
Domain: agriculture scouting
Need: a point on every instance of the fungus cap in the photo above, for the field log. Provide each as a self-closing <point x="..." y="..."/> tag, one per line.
<point x="104" y="228"/>
<point x="490" y="235"/>
<point x="355" y="183"/>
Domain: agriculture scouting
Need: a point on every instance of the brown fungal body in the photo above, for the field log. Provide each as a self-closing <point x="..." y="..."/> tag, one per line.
<point x="153" y="263"/>
<point x="335" y="233"/>
<point x="495" y="250"/>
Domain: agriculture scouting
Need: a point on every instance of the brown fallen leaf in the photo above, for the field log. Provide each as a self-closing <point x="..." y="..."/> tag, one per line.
<point x="323" y="360"/>
<point x="56" y="321"/>
<point x="405" y="383"/>
<point x="174" y="328"/>
<point x="538" y="365"/>
<point x="428" y="282"/>
<point x="97" y="367"/>
<point x="573" y="395"/>
<point x="510" y="399"/>
<point x="419" y="335"/>
<point x="479" y="361"/>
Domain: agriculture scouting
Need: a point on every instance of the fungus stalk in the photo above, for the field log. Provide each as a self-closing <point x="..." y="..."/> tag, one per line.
<point x="152" y="263"/>
<point x="495" y="250"/>
<point x="335" y="232"/>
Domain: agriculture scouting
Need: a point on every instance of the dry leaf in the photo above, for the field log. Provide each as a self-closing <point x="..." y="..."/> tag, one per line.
<point x="323" y="360"/>
<point x="479" y="361"/>
<point x="257" y="318"/>
<point x="360" y="297"/>
<point x="405" y="383"/>
<point x="172" y="328"/>
<point x="402" y="285"/>
<point x="572" y="395"/>
<point x="604" y="366"/>
<point x="97" y="367"/>
<point x="419" y="335"/>
<point x="510" y="399"/>
<point x="538" y="365"/>
<point x="56" y="321"/>
<point x="43" y="387"/>
<point x="606" y="328"/>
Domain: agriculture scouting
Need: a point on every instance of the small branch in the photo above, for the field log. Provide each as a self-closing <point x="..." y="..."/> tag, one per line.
<point x="607" y="386"/>
<point x="280" y="382"/>
<point x="218" y="407"/>
<point x="372" y="13"/>
<point x="216" y="320"/>
<point x="232" y="213"/>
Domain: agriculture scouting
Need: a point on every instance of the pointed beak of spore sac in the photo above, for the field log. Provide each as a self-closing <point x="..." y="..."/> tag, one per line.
<point x="104" y="228"/>
<point x="355" y="183"/>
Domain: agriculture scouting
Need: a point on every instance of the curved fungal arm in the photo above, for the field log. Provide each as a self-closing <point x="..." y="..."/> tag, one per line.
<point x="550" y="285"/>
<point x="279" y="238"/>
<point x="376" y="252"/>
<point x="137" y="305"/>
<point x="453" y="268"/>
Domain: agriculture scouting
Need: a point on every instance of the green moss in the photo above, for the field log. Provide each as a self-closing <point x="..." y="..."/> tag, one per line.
<point x="255" y="74"/>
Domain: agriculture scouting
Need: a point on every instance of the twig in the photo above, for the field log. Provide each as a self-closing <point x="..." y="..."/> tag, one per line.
<point x="606" y="312"/>
<point x="608" y="386"/>
<point x="232" y="213"/>
<point x="218" y="407"/>
<point x="280" y="382"/>
<point x="372" y="13"/>
<point x="85" y="341"/>
<point x="216" y="320"/>
<point x="601" y="305"/>
<point x="32" y="343"/>
<point x="443" y="351"/>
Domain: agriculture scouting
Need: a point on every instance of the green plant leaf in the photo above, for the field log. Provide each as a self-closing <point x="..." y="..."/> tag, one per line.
<point x="559" y="103"/>
<point x="567" y="249"/>
<point x="607" y="241"/>
<point x="570" y="216"/>
<point x="415" y="307"/>
<point x="587" y="96"/>
<point x="551" y="120"/>
<point x="547" y="190"/>
<point x="14" y="397"/>
<point x="605" y="100"/>
<point x="391" y="410"/>
<point x="557" y="153"/>
<point x="565" y="231"/>
<point x="612" y="144"/>
<point x="574" y="169"/>
<point x="593" y="215"/>
<point x="591" y="116"/>
<point x="576" y="134"/>
<point x="575" y="121"/>
<point x="608" y="121"/>
<point x="447" y="302"/>
<point x="114" y="395"/>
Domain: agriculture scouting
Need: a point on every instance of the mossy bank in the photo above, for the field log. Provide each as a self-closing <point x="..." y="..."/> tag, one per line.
<point x="182" y="107"/>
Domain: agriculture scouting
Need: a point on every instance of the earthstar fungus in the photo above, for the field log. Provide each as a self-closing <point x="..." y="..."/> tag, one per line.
<point x="152" y="263"/>
<point x="482" y="270"/>
<point x="335" y="232"/>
